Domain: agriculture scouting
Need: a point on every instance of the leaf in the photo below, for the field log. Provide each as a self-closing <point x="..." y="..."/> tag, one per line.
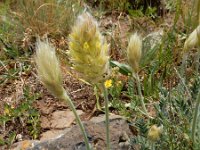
<point x="123" y="68"/>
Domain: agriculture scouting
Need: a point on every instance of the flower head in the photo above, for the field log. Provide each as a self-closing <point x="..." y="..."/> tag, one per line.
<point x="154" y="133"/>
<point x="193" y="39"/>
<point x="88" y="50"/>
<point x="108" y="83"/>
<point x="134" y="51"/>
<point x="48" y="67"/>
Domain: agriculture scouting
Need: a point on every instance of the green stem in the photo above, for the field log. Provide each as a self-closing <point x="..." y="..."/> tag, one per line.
<point x="194" y="123"/>
<point x="184" y="64"/>
<point x="152" y="146"/>
<point x="140" y="93"/>
<point x="98" y="106"/>
<point x="72" y="107"/>
<point x="105" y="93"/>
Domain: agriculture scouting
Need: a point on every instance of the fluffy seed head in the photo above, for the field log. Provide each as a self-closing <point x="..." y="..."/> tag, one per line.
<point x="193" y="39"/>
<point x="134" y="51"/>
<point x="154" y="133"/>
<point x="48" y="67"/>
<point x="88" y="51"/>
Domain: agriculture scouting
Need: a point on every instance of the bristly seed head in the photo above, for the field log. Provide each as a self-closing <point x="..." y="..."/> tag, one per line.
<point x="48" y="67"/>
<point x="134" y="51"/>
<point x="193" y="39"/>
<point x="88" y="51"/>
<point x="154" y="133"/>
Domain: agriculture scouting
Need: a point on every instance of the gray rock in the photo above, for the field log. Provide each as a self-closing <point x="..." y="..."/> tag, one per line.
<point x="153" y="39"/>
<point x="72" y="139"/>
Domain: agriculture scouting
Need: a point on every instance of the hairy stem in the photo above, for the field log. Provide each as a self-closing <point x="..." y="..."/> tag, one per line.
<point x="105" y="93"/>
<point x="140" y="93"/>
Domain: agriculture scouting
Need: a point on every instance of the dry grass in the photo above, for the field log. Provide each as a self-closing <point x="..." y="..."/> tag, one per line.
<point x="45" y="16"/>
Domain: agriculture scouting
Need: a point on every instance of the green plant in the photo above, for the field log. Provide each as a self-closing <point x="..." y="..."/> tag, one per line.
<point x="9" y="35"/>
<point x="24" y="114"/>
<point x="174" y="113"/>
<point x="196" y="112"/>
<point x="115" y="87"/>
<point x="168" y="91"/>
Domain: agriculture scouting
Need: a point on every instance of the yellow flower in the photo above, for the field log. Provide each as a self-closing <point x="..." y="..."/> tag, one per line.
<point x="86" y="46"/>
<point x="108" y="83"/>
<point x="154" y="133"/>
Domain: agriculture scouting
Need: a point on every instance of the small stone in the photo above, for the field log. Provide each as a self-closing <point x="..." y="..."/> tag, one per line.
<point x="51" y="134"/>
<point x="19" y="137"/>
<point x="63" y="119"/>
<point x="23" y="145"/>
